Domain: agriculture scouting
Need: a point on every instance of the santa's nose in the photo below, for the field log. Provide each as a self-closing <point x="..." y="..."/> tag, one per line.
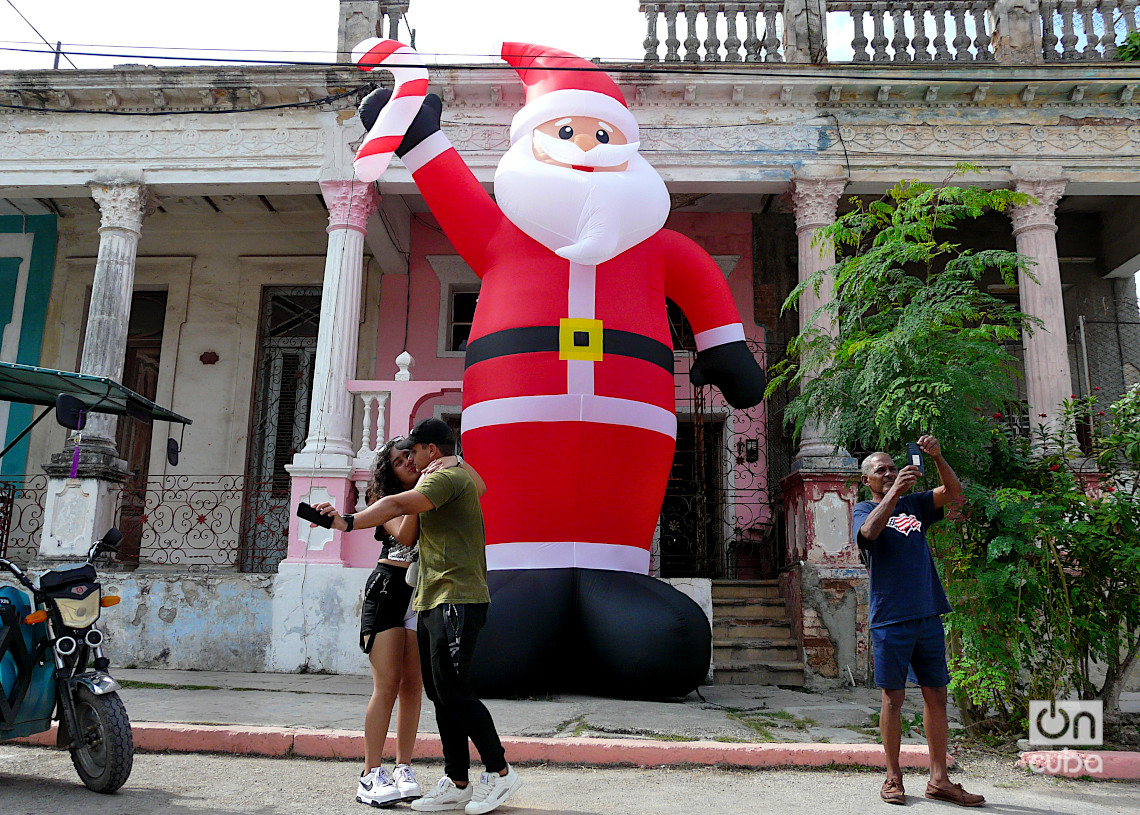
<point x="584" y="141"/>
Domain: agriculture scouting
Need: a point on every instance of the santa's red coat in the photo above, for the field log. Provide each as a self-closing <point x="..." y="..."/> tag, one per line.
<point x="575" y="452"/>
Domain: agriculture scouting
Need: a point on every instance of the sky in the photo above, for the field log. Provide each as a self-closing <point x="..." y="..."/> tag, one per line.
<point x="456" y="30"/>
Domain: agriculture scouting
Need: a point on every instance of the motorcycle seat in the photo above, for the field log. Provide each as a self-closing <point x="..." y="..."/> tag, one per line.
<point x="57" y="581"/>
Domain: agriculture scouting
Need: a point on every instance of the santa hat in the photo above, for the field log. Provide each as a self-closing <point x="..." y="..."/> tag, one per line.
<point x="560" y="84"/>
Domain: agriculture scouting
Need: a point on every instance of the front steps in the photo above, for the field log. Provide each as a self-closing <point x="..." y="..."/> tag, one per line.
<point x="752" y="636"/>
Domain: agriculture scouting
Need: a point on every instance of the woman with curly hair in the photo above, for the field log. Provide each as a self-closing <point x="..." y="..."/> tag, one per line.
<point x="388" y="633"/>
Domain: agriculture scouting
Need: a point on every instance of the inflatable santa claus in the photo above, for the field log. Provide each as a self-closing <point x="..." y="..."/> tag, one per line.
<point x="568" y="389"/>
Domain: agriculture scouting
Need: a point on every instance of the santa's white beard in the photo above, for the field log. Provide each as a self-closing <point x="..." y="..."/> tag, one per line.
<point x="584" y="217"/>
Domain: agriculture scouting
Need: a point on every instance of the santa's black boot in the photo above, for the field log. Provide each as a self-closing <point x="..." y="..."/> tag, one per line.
<point x="528" y="626"/>
<point x="642" y="638"/>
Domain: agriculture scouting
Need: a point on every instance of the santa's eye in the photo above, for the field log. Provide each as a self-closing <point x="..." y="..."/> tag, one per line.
<point x="602" y="136"/>
<point x="566" y="132"/>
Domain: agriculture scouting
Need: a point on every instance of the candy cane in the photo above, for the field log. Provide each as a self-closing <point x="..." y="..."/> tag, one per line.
<point x="374" y="54"/>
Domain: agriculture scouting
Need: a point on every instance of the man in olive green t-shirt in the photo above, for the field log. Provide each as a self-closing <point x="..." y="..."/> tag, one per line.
<point x="452" y="599"/>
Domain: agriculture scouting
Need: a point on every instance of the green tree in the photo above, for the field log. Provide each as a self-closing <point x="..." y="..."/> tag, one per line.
<point x="917" y="345"/>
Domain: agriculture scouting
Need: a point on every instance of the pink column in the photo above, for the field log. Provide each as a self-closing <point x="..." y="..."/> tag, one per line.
<point x="322" y="471"/>
<point x="1047" y="378"/>
<point x="815" y="201"/>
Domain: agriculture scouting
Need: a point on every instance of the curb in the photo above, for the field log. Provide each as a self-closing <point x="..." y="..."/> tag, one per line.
<point x="1102" y="765"/>
<point x="349" y="744"/>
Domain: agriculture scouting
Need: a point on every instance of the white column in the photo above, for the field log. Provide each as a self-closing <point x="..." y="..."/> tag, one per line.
<point x="1047" y="377"/>
<point x="122" y="208"/>
<point x="816" y="200"/>
<point x="329" y="444"/>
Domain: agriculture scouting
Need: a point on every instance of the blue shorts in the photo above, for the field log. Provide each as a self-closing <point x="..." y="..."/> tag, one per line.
<point x="919" y="645"/>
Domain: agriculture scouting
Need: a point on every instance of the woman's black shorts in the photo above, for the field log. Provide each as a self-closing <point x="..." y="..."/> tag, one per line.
<point x="386" y="599"/>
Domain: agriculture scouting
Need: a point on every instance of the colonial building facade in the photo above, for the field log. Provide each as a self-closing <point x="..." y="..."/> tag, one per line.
<point x="198" y="234"/>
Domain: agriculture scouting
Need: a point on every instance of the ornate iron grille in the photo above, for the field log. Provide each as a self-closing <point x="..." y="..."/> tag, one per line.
<point x="21" y="517"/>
<point x="283" y="387"/>
<point x="720" y="517"/>
<point x="198" y="522"/>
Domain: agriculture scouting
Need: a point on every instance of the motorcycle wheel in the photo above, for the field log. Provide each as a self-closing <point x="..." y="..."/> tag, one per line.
<point x="103" y="751"/>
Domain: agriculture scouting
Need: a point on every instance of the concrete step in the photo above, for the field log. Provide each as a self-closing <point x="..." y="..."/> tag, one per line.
<point x="737" y="652"/>
<point x="745" y="589"/>
<point x="761" y="608"/>
<point x="766" y="672"/>
<point x="726" y="629"/>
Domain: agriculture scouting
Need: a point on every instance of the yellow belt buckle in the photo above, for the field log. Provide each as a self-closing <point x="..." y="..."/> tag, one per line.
<point x="580" y="338"/>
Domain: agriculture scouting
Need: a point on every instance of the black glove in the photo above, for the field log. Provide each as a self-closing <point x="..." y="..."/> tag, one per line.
<point x="425" y="123"/>
<point x="731" y="368"/>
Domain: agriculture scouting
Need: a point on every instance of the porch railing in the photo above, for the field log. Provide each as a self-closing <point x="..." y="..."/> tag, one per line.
<point x="888" y="31"/>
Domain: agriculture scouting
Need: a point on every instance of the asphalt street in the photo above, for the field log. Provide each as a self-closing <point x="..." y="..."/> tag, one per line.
<point x="39" y="781"/>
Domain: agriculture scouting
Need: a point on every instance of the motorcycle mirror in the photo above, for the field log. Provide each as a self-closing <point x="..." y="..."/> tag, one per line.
<point x="70" y="412"/>
<point x="172" y="452"/>
<point x="112" y="539"/>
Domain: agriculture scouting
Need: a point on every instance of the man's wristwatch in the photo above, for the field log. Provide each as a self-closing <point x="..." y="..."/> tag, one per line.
<point x="348" y="522"/>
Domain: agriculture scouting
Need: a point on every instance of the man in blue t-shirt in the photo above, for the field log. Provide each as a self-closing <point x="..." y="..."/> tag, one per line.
<point x="907" y="601"/>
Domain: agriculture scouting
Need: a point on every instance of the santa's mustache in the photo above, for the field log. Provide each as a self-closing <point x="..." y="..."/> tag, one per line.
<point x="603" y="155"/>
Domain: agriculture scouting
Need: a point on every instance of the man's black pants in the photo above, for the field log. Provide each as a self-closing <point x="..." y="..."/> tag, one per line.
<point x="447" y="635"/>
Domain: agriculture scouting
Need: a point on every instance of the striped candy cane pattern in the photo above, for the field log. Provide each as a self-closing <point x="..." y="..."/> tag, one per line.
<point x="411" y="77"/>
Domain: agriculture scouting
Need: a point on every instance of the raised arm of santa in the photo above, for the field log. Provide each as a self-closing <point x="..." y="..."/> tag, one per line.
<point x="467" y="214"/>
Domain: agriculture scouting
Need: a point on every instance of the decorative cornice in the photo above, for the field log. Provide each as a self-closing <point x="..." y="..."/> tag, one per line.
<point x="122" y="206"/>
<point x="816" y="200"/>
<point x="350" y="204"/>
<point x="1042" y="213"/>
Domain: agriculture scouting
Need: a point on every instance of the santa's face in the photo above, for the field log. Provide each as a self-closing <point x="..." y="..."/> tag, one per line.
<point x="584" y="134"/>
<point x="586" y="198"/>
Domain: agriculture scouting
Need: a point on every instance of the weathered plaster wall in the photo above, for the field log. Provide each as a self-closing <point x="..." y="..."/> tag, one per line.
<point x="210" y="622"/>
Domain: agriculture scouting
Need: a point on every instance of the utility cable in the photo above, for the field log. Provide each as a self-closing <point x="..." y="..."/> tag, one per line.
<point x="41" y="36"/>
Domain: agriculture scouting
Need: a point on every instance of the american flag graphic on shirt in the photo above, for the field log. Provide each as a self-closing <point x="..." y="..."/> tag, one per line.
<point x="904" y="523"/>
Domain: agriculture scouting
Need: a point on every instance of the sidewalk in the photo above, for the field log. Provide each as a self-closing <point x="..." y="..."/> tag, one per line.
<point x="322" y="715"/>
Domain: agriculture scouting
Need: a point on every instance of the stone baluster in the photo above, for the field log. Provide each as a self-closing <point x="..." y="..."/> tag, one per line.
<point x="652" y="11"/>
<point x="122" y="207"/>
<point x="372" y="430"/>
<point x="983" y="39"/>
<point x="1092" y="41"/>
<point x="1049" y="39"/>
<point x="1047" y="377"/>
<point x="712" y="42"/>
<point x="961" y="38"/>
<point x="672" y="44"/>
<point x="1128" y="12"/>
<point x="941" y="52"/>
<point x="860" y="41"/>
<point x="329" y="443"/>
<point x="900" y="42"/>
<point x="815" y="200"/>
<point x="771" y="40"/>
<point x="395" y="14"/>
<point x="692" y="42"/>
<point x="731" y="41"/>
<point x="921" y="42"/>
<point x="1108" y="40"/>
<point x="1068" y="35"/>
<point x="752" y="43"/>
<point x="879" y="41"/>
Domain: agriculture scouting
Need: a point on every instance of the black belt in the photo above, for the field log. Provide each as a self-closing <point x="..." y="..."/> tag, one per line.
<point x="531" y="339"/>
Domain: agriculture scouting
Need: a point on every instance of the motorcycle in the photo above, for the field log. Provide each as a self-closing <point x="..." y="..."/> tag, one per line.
<point x="52" y="664"/>
<point x="51" y="660"/>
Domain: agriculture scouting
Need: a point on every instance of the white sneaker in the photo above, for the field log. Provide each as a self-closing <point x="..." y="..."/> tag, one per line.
<point x="443" y="796"/>
<point x="377" y="788"/>
<point x="406" y="783"/>
<point x="493" y="790"/>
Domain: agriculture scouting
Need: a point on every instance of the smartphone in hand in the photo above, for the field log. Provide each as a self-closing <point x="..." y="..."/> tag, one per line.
<point x="914" y="456"/>
<point x="314" y="516"/>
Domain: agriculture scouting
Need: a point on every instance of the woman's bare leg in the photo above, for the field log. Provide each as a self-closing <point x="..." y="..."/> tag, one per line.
<point x="387" y="660"/>
<point x="411" y="698"/>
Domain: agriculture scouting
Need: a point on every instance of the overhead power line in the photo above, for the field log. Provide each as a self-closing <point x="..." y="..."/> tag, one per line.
<point x="56" y="50"/>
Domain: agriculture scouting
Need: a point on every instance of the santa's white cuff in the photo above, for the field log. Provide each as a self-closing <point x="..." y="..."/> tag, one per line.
<point x="721" y="335"/>
<point x="426" y="150"/>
